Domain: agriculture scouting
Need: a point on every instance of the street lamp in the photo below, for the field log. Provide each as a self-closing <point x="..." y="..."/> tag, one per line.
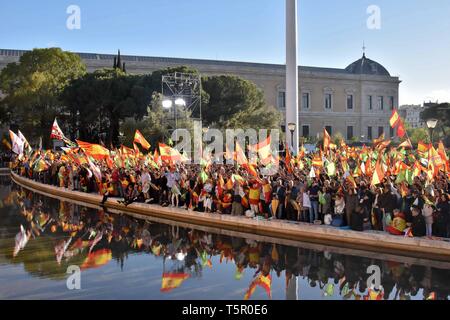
<point x="431" y="124"/>
<point x="292" y="126"/>
<point x="167" y="104"/>
<point x="180" y="102"/>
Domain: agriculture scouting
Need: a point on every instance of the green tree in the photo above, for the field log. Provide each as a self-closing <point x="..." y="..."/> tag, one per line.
<point x="100" y="101"/>
<point x="33" y="86"/>
<point x="236" y="103"/>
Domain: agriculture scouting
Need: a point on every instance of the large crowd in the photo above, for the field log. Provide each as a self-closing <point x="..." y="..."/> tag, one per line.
<point x="300" y="190"/>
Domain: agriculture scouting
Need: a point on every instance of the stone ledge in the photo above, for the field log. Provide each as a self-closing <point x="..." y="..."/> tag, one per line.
<point x="419" y="247"/>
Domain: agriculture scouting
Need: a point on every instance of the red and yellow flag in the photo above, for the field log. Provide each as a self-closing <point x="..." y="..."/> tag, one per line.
<point x="395" y="118"/>
<point x="172" y="281"/>
<point x="96" y="151"/>
<point x="263" y="150"/>
<point x="264" y="282"/>
<point x="378" y="174"/>
<point x="139" y="138"/>
<point x="169" y="154"/>
<point x="326" y="140"/>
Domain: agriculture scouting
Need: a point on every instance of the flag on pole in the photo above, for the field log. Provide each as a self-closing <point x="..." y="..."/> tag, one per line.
<point x="169" y="154"/>
<point x="395" y="118"/>
<point x="96" y="151"/>
<point x="26" y="143"/>
<point x="378" y="174"/>
<point x="401" y="131"/>
<point x="326" y="140"/>
<point x="263" y="149"/>
<point x="17" y="143"/>
<point x="139" y="138"/>
<point x="172" y="281"/>
<point x="56" y="131"/>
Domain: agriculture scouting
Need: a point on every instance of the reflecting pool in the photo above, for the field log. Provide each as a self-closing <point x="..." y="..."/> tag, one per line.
<point x="44" y="242"/>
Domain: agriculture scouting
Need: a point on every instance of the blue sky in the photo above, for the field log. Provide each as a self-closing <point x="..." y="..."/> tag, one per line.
<point x="413" y="42"/>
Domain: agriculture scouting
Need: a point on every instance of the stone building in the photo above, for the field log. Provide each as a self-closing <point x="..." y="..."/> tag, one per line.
<point x="355" y="101"/>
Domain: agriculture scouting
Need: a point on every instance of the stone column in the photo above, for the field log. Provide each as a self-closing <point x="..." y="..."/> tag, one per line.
<point x="291" y="72"/>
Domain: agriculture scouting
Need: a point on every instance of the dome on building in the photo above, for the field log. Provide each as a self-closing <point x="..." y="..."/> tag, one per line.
<point x="367" y="66"/>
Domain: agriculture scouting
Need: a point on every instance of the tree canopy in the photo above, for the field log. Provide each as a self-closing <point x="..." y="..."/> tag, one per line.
<point x="236" y="103"/>
<point x="33" y="86"/>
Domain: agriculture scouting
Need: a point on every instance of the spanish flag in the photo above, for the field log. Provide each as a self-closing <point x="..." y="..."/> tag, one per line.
<point x="401" y="131"/>
<point x="172" y="281"/>
<point x="395" y="118"/>
<point x="96" y="151"/>
<point x="169" y="154"/>
<point x="378" y="174"/>
<point x="139" y="138"/>
<point x="264" y="282"/>
<point x="240" y="155"/>
<point x="263" y="150"/>
<point x="326" y="140"/>
<point x="422" y="147"/>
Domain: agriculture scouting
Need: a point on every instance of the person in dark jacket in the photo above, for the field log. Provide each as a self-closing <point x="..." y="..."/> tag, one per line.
<point x="357" y="219"/>
<point x="441" y="226"/>
<point x="387" y="202"/>
<point x="418" y="227"/>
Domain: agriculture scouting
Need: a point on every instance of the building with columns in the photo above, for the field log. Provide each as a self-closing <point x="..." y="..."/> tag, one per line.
<point x="356" y="101"/>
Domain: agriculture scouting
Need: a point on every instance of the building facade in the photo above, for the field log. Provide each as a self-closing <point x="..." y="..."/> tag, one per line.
<point x="411" y="114"/>
<point x="356" y="101"/>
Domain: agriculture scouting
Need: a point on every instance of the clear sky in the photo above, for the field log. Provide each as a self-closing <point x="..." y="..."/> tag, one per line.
<point x="413" y="42"/>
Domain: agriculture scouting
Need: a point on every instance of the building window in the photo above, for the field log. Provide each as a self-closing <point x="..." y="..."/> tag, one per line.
<point x="380" y="103"/>
<point x="380" y="131"/>
<point x="350" y="101"/>
<point x="391" y="132"/>
<point x="281" y="101"/>
<point x="391" y="103"/>
<point x="370" y="102"/>
<point x="328" y="101"/>
<point x="349" y="132"/>
<point x="305" y="100"/>
<point x="329" y="130"/>
<point x="369" y="133"/>
<point x="305" y="131"/>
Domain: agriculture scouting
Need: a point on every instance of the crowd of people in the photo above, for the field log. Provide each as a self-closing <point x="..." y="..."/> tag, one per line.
<point x="79" y="233"/>
<point x="299" y="190"/>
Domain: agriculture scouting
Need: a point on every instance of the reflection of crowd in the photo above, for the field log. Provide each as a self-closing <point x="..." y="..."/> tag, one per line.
<point x="79" y="230"/>
<point x="338" y="193"/>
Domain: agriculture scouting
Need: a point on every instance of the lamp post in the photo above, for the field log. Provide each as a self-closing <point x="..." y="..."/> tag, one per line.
<point x="431" y="124"/>
<point x="292" y="126"/>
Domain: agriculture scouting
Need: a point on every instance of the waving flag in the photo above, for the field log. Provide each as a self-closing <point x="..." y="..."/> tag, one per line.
<point x="172" y="281"/>
<point x="401" y="131"/>
<point x="17" y="143"/>
<point x="378" y="174"/>
<point x="139" y="138"/>
<point x="264" y="282"/>
<point x="169" y="154"/>
<point x="26" y="143"/>
<point x="59" y="135"/>
<point x="56" y="131"/>
<point x="326" y="140"/>
<point x="394" y="120"/>
<point x="96" y="151"/>
<point x="264" y="151"/>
